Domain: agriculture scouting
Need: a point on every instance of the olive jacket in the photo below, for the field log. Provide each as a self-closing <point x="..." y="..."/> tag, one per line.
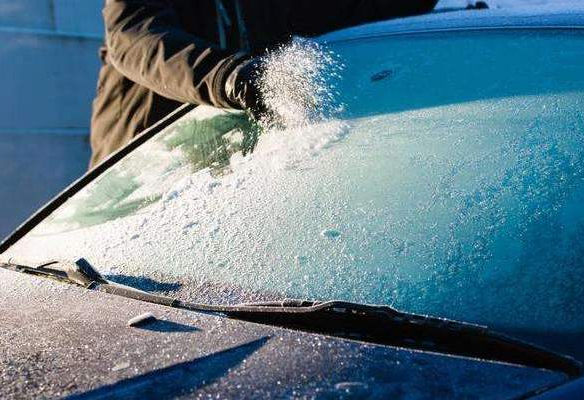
<point x="159" y="54"/>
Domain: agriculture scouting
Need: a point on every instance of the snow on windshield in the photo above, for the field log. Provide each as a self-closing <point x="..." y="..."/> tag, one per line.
<point x="449" y="188"/>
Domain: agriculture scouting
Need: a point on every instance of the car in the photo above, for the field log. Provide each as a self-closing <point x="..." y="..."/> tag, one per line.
<point x="422" y="242"/>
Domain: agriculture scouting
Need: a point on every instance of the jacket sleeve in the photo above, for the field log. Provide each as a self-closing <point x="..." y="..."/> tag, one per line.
<point x="147" y="45"/>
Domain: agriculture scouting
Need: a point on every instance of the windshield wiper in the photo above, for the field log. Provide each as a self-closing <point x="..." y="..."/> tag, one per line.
<point x="374" y="324"/>
<point x="388" y="326"/>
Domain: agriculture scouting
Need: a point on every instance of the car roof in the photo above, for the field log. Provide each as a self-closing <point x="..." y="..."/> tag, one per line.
<point x="561" y="16"/>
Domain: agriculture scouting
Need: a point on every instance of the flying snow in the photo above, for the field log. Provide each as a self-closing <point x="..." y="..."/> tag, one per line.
<point x="297" y="82"/>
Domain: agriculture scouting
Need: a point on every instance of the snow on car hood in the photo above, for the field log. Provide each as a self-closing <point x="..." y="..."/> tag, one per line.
<point x="58" y="340"/>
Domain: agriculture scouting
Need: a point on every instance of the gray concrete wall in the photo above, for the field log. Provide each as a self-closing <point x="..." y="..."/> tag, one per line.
<point x="80" y="16"/>
<point x="26" y="14"/>
<point x="33" y="168"/>
<point x="48" y="73"/>
<point x="48" y="82"/>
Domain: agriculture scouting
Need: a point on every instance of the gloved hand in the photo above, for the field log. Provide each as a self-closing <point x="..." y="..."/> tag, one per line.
<point x="241" y="88"/>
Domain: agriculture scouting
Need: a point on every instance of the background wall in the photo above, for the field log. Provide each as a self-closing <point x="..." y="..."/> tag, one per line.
<point x="48" y="72"/>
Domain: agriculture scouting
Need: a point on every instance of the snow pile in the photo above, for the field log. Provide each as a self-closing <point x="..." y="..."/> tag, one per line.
<point x="288" y="148"/>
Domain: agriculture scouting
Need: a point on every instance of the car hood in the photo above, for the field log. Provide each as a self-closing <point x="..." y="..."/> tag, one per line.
<point x="60" y="340"/>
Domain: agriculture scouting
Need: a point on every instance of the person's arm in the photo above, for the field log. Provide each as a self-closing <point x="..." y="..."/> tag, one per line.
<point x="147" y="45"/>
<point x="344" y="13"/>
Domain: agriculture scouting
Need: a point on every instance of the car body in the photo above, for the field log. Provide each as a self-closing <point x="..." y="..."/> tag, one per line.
<point x="435" y="192"/>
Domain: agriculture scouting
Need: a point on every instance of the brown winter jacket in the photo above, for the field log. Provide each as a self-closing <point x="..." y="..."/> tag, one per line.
<point x="159" y="54"/>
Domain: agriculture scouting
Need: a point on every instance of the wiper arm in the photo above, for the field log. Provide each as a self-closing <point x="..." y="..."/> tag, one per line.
<point x="79" y="272"/>
<point x="82" y="273"/>
<point x="375" y="324"/>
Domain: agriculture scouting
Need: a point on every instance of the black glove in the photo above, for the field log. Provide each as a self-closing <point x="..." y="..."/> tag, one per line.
<point x="241" y="88"/>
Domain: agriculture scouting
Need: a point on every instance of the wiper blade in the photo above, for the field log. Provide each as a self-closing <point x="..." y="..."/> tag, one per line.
<point x="388" y="326"/>
<point x="374" y="324"/>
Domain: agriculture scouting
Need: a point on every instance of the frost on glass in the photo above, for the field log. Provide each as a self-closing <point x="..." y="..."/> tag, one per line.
<point x="452" y="185"/>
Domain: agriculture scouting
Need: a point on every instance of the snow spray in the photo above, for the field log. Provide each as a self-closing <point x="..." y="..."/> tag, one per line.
<point x="297" y="82"/>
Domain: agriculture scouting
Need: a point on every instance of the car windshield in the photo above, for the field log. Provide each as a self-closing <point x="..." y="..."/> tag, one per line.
<point x="452" y="184"/>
